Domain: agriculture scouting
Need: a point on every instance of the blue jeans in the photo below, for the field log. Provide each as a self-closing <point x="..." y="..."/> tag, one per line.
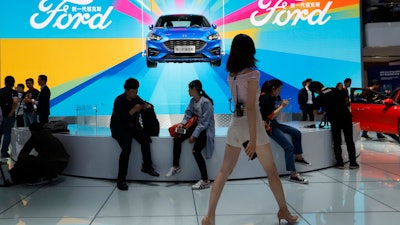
<point x="5" y="133"/>
<point x="278" y="134"/>
<point x="29" y="118"/>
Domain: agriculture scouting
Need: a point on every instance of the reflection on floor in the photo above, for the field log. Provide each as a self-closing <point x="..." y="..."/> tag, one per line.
<point x="367" y="196"/>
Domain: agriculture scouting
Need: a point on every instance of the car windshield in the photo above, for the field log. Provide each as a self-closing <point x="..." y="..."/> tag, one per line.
<point x="367" y="96"/>
<point x="182" y="21"/>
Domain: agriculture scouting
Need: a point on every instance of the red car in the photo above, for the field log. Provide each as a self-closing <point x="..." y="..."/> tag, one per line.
<point x="376" y="111"/>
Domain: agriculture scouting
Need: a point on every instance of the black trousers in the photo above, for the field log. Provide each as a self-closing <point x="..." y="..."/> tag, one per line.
<point x="43" y="118"/>
<point x="307" y="111"/>
<point x="197" y="148"/>
<point x="345" y="125"/>
<point x="20" y="120"/>
<point x="125" y="142"/>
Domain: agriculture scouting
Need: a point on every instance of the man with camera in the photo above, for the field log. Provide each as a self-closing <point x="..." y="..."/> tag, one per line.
<point x="30" y="115"/>
<point x="334" y="103"/>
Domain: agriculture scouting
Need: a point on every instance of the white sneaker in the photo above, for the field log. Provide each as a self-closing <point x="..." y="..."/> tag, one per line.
<point x="201" y="184"/>
<point x="172" y="171"/>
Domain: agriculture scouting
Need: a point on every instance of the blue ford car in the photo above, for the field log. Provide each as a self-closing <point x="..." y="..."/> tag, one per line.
<point x="183" y="38"/>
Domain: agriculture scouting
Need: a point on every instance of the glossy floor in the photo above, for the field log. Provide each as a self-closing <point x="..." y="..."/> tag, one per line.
<point x="367" y="196"/>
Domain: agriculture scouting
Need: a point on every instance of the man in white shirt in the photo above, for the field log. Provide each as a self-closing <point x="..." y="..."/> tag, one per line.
<point x="306" y="99"/>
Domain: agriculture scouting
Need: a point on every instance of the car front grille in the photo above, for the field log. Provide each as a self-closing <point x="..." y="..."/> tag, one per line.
<point x="198" y="43"/>
<point x="187" y="56"/>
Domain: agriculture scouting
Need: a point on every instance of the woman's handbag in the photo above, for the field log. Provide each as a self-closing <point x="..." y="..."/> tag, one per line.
<point x="191" y="122"/>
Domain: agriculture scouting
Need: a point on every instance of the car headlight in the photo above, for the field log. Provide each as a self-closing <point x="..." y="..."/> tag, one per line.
<point x="214" y="37"/>
<point x="153" y="37"/>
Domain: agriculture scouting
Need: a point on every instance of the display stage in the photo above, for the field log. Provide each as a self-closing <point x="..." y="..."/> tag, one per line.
<point x="94" y="153"/>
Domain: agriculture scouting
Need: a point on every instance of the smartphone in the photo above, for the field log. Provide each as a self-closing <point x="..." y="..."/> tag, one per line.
<point x="180" y="130"/>
<point x="245" y="145"/>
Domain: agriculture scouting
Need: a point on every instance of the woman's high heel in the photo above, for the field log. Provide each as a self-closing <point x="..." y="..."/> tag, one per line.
<point x="287" y="216"/>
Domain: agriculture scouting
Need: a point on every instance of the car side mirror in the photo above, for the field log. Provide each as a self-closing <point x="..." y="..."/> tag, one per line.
<point x="214" y="26"/>
<point x="151" y="27"/>
<point x="388" y="101"/>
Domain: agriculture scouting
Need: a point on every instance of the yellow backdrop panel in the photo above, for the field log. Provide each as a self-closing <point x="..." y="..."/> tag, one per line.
<point x="63" y="60"/>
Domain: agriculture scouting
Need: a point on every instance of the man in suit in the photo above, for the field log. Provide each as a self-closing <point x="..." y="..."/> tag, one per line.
<point x="306" y="99"/>
<point x="43" y="104"/>
<point x="346" y="85"/>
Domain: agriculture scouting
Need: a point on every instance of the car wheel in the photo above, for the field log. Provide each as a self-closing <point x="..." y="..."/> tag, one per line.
<point x="216" y="63"/>
<point x="151" y="64"/>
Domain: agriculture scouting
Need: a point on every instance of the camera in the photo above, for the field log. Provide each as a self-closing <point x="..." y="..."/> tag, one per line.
<point x="239" y="109"/>
<point x="180" y="130"/>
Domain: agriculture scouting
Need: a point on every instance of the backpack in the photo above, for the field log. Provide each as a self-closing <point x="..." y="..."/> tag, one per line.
<point x="6" y="100"/>
<point x="150" y="123"/>
<point x="57" y="126"/>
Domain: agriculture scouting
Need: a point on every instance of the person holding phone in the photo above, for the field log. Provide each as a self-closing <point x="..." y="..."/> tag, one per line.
<point x="270" y="91"/>
<point x="124" y="126"/>
<point x="243" y="80"/>
<point x="201" y="134"/>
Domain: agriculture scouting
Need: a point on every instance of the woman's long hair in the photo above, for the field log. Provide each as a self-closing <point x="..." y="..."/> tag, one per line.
<point x="199" y="87"/>
<point x="242" y="54"/>
<point x="269" y="84"/>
